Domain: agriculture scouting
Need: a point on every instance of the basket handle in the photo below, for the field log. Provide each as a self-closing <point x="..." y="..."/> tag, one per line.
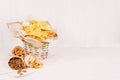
<point x="13" y="24"/>
<point x="16" y="29"/>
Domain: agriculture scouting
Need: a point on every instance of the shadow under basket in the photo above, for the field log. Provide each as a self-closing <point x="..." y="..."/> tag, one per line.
<point x="41" y="52"/>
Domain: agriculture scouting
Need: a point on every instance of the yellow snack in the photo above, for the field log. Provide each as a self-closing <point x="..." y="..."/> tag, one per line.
<point x="33" y="22"/>
<point x="33" y="30"/>
<point x="41" y="30"/>
<point x="44" y="25"/>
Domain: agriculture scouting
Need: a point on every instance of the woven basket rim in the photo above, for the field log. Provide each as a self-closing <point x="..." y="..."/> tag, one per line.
<point x="41" y="46"/>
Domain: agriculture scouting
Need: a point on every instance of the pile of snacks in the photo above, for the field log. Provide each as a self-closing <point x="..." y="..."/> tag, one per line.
<point x="40" y="30"/>
<point x="21" y="60"/>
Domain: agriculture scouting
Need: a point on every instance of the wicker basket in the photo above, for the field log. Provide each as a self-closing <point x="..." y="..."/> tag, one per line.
<point x="41" y="51"/>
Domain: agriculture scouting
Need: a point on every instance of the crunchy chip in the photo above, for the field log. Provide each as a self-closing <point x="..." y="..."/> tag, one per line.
<point x="41" y="30"/>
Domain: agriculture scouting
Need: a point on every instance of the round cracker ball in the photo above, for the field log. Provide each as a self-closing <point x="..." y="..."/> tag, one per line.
<point x="19" y="52"/>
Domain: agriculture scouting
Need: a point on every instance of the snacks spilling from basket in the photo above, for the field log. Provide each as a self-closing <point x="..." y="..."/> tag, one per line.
<point x="35" y="36"/>
<point x="21" y="61"/>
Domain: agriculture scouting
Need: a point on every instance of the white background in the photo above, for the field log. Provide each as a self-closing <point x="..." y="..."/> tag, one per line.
<point x="84" y="23"/>
<point x="89" y="36"/>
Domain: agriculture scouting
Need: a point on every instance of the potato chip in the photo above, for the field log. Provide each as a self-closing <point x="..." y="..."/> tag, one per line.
<point x="41" y="30"/>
